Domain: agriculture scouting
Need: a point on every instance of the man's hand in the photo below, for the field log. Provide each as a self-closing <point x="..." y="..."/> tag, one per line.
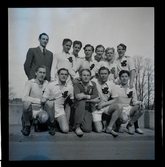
<point x="80" y="96"/>
<point x="100" y="105"/>
<point x="96" y="100"/>
<point x="43" y="100"/>
<point x="141" y="105"/>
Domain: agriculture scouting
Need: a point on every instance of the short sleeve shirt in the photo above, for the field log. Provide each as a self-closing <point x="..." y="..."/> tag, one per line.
<point x="125" y="63"/>
<point x="109" y="66"/>
<point x="61" y="60"/>
<point x="33" y="92"/>
<point x="124" y="92"/>
<point x="87" y="65"/>
<point x="53" y="91"/>
<point x="107" y="90"/>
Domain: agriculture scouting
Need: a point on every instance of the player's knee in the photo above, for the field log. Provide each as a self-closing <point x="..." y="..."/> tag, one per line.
<point x="123" y="118"/>
<point x="118" y="107"/>
<point x="26" y="106"/>
<point x="44" y="118"/>
<point x="98" y="130"/>
<point x="65" y="129"/>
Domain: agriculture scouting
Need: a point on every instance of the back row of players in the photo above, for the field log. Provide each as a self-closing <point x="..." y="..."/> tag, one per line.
<point x="80" y="88"/>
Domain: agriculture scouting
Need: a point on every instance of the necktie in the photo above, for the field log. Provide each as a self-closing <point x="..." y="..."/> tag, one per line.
<point x="44" y="51"/>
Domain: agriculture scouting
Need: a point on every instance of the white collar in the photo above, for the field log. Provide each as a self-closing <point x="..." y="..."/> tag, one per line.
<point x="58" y="83"/>
<point x="41" y="48"/>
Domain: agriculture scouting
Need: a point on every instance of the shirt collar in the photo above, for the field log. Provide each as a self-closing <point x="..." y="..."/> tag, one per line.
<point x="74" y="55"/>
<point x="41" y="48"/>
<point x="123" y="58"/>
<point x="123" y="87"/>
<point x="89" y="84"/>
<point x="58" y="83"/>
<point x="96" y="58"/>
<point x="106" y="83"/>
<point x="92" y="60"/>
<point x="65" y="53"/>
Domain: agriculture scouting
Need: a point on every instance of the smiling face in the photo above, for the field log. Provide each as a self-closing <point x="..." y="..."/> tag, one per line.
<point x="109" y="55"/>
<point x="76" y="49"/>
<point x="121" y="51"/>
<point x="44" y="40"/>
<point x="100" y="52"/>
<point x="67" y="46"/>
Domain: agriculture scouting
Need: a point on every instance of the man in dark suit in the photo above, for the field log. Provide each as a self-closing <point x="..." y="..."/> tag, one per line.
<point x="39" y="56"/>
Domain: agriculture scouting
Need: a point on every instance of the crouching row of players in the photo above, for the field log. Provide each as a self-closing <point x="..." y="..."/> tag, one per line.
<point x="81" y="107"/>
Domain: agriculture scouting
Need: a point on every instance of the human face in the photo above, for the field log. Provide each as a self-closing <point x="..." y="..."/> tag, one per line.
<point x="63" y="75"/>
<point x="67" y="46"/>
<point x="76" y="49"/>
<point x="124" y="78"/>
<point x="109" y="55"/>
<point x="44" y="40"/>
<point x="88" y="52"/>
<point x="103" y="75"/>
<point x="100" y="52"/>
<point x="41" y="74"/>
<point x="121" y="51"/>
<point x="85" y="76"/>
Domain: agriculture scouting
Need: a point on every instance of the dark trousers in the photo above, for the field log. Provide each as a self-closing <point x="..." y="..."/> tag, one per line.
<point x="82" y="115"/>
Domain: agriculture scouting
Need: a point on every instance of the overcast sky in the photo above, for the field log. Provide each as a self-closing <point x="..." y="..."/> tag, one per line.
<point x="107" y="26"/>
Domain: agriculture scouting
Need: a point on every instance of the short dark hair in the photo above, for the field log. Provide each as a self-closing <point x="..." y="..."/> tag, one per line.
<point x="66" y="40"/>
<point x="103" y="68"/>
<point x="122" y="72"/>
<point x="85" y="69"/>
<point x="41" y="66"/>
<point x="43" y="34"/>
<point x="88" y="45"/>
<point x="99" y="46"/>
<point x="78" y="43"/>
<point x="124" y="46"/>
<point x="58" y="72"/>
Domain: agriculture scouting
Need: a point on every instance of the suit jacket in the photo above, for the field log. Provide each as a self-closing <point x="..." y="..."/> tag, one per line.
<point x="35" y="58"/>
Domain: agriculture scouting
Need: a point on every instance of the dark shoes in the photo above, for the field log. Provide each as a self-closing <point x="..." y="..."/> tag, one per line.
<point x="52" y="130"/>
<point x="26" y="130"/>
<point x="37" y="128"/>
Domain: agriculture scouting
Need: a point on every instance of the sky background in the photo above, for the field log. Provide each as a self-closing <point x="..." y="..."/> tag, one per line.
<point x="133" y="26"/>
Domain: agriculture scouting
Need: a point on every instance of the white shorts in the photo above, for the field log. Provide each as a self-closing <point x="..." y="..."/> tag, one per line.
<point x="127" y="110"/>
<point x="35" y="112"/>
<point x="59" y="110"/>
<point x="97" y="115"/>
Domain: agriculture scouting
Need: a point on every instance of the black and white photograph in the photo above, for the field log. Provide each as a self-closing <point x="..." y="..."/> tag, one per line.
<point x="81" y="83"/>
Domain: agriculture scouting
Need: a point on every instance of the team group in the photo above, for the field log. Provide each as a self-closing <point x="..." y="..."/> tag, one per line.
<point x="66" y="92"/>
